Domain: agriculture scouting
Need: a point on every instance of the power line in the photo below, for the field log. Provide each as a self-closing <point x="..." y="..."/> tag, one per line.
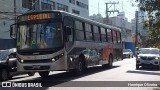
<point x="126" y="11"/>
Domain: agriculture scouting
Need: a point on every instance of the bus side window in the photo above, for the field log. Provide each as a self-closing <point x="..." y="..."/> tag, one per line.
<point x="109" y="35"/>
<point x="119" y="37"/>
<point x="103" y="34"/>
<point x="88" y="32"/>
<point x="96" y="33"/>
<point x="114" y="33"/>
<point x="79" y="31"/>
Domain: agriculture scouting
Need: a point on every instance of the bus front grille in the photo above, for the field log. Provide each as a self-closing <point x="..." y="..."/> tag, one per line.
<point x="38" y="61"/>
<point x="36" y="68"/>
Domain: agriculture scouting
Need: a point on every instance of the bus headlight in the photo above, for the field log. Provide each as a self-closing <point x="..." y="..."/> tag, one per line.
<point x="57" y="57"/>
<point x="62" y="54"/>
<point x="71" y="59"/>
<point x="53" y="60"/>
<point x="21" y="61"/>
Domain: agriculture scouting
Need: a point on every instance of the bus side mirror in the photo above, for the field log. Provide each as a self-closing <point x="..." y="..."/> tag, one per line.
<point x="67" y="30"/>
<point x="13" y="31"/>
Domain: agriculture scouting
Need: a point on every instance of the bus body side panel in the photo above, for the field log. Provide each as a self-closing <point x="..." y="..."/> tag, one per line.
<point x="95" y="53"/>
<point x="108" y="50"/>
<point x="117" y="52"/>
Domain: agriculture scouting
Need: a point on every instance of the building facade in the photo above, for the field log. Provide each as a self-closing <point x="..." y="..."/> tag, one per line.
<point x="11" y="8"/>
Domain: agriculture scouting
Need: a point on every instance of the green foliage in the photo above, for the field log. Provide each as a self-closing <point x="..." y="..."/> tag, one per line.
<point x="152" y="7"/>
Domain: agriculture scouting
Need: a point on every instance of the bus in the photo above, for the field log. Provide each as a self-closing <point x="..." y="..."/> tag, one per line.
<point x="57" y="40"/>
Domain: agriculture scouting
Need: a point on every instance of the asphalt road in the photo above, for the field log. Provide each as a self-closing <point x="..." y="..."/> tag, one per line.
<point x="121" y="76"/>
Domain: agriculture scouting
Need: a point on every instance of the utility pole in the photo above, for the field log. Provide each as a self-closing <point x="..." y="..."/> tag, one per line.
<point x="15" y="11"/>
<point x="108" y="12"/>
<point x="136" y="32"/>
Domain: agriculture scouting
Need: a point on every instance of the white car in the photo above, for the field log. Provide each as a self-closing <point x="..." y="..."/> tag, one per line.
<point x="148" y="57"/>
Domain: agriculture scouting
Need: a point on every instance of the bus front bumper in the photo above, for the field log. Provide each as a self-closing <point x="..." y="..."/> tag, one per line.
<point x="51" y="66"/>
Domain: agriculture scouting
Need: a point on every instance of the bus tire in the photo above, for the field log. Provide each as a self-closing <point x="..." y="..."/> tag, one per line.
<point x="4" y="75"/>
<point x="31" y="73"/>
<point x="137" y="67"/>
<point x="110" y="64"/>
<point x="44" y="74"/>
<point x="80" y="68"/>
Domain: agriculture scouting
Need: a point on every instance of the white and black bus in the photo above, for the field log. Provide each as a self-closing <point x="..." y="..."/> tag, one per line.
<point x="56" y="40"/>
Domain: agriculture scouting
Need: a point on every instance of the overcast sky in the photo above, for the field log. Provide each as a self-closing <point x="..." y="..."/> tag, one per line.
<point x="128" y="7"/>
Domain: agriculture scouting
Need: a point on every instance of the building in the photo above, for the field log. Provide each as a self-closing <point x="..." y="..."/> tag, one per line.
<point x="9" y="7"/>
<point x="79" y="7"/>
<point x="97" y="17"/>
<point x="141" y="32"/>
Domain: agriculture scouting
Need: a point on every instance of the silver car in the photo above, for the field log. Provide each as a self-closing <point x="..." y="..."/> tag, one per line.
<point x="148" y="57"/>
<point x="127" y="53"/>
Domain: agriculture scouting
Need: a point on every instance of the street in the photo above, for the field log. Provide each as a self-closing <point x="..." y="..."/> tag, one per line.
<point x="121" y="71"/>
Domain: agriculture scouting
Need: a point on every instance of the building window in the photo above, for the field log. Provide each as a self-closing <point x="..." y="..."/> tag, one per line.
<point x="47" y="5"/>
<point x="75" y="12"/>
<point x="30" y="4"/>
<point x="62" y="7"/>
<point x="72" y="1"/>
<point x="80" y="4"/>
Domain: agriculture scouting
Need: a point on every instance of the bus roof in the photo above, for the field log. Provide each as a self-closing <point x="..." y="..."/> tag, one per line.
<point x="77" y="17"/>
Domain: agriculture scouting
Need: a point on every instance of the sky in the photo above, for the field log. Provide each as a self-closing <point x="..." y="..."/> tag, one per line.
<point x="128" y="7"/>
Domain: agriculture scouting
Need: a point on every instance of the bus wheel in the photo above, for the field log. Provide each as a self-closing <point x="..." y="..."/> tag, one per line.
<point x="80" y="67"/>
<point x="110" y="64"/>
<point x="4" y="75"/>
<point x="31" y="73"/>
<point x="137" y="66"/>
<point x="158" y="67"/>
<point x="44" y="74"/>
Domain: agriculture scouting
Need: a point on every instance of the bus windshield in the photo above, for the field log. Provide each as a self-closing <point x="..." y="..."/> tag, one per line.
<point x="39" y="35"/>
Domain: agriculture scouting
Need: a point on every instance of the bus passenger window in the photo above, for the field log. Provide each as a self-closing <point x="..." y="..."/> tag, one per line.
<point x="119" y="37"/>
<point x="109" y="35"/>
<point x="114" y="36"/>
<point x="79" y="30"/>
<point x="103" y="34"/>
<point x="96" y="33"/>
<point x="88" y="32"/>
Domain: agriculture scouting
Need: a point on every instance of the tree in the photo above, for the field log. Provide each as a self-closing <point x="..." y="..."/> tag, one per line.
<point x="152" y="7"/>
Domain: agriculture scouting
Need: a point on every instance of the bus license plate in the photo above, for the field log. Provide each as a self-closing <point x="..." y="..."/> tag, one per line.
<point x="147" y="62"/>
<point x="36" y="66"/>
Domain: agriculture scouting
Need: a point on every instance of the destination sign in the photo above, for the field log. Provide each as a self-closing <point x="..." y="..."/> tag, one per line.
<point x="39" y="16"/>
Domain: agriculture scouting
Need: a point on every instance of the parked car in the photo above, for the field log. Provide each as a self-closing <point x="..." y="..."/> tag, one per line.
<point x="8" y="64"/>
<point x="148" y="57"/>
<point x="127" y="53"/>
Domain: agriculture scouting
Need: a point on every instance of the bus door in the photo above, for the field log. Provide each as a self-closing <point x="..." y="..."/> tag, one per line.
<point x="68" y="32"/>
